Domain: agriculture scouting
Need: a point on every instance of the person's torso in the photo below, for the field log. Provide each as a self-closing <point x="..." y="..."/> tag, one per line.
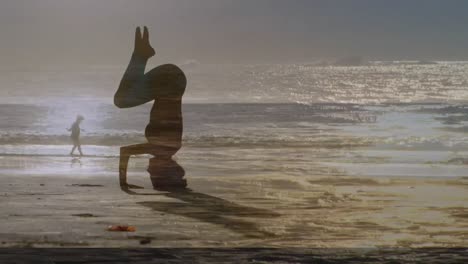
<point x="75" y="130"/>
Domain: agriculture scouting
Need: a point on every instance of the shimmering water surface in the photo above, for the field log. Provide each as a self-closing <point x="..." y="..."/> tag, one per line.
<point x="381" y="119"/>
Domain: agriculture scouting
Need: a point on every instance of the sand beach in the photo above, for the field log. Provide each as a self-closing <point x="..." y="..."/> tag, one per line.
<point x="318" y="211"/>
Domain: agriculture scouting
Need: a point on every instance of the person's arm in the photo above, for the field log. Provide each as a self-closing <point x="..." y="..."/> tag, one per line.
<point x="134" y="88"/>
<point x="125" y="153"/>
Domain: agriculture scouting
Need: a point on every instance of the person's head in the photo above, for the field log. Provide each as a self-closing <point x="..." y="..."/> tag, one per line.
<point x="79" y="118"/>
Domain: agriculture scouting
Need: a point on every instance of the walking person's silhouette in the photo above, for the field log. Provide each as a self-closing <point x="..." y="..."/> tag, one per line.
<point x="75" y="135"/>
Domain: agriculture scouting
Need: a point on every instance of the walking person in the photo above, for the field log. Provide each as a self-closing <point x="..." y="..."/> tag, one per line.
<point x="75" y="135"/>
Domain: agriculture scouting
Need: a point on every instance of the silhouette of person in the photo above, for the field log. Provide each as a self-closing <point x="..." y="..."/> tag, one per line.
<point x="165" y="85"/>
<point x="75" y="134"/>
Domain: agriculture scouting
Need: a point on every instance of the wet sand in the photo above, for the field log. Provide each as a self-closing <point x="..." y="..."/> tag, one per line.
<point x="238" y="211"/>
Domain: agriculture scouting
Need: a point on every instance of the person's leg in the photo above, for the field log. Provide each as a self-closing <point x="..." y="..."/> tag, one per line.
<point x="79" y="149"/>
<point x="73" y="150"/>
<point x="134" y="88"/>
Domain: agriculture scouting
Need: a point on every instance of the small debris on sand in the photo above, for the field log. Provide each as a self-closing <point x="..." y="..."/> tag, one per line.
<point x="121" y="228"/>
<point x="84" y="215"/>
<point x="86" y="185"/>
<point x="145" y="241"/>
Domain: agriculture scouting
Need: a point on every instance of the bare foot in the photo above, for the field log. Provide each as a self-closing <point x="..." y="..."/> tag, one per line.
<point x="143" y="47"/>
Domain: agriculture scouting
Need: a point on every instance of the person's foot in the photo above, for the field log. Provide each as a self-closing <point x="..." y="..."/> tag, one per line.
<point x="143" y="47"/>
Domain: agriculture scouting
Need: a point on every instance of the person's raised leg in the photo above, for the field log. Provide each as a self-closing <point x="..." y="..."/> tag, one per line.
<point x="134" y="88"/>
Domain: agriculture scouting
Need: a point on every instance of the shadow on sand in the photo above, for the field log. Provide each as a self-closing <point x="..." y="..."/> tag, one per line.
<point x="212" y="210"/>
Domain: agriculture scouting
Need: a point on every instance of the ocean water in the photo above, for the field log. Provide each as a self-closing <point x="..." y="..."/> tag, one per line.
<point x="381" y="119"/>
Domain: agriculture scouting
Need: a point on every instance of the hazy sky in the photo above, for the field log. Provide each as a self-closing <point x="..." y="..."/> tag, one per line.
<point x="62" y="32"/>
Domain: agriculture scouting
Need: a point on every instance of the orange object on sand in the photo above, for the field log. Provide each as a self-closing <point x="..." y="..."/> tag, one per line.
<point x="121" y="228"/>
